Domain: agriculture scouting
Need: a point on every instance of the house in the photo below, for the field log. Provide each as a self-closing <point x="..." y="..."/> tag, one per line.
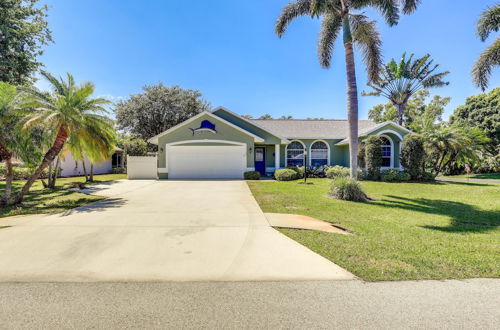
<point x="70" y="167"/>
<point x="222" y="144"/>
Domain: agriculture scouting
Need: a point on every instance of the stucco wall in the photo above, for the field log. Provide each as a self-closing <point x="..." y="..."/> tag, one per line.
<point x="70" y="168"/>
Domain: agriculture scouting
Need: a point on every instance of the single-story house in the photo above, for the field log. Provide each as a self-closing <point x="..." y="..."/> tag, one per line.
<point x="222" y="144"/>
<point x="70" y="167"/>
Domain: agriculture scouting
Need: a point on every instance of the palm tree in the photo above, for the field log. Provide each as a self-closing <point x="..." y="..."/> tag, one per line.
<point x="344" y="16"/>
<point x="489" y="22"/>
<point x="64" y="111"/>
<point x="399" y="81"/>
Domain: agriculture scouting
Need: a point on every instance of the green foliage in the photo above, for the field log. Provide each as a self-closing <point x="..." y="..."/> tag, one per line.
<point x="20" y="172"/>
<point x="251" y="175"/>
<point x="132" y="146"/>
<point x="119" y="170"/>
<point x="286" y="174"/>
<point x="157" y="109"/>
<point x="336" y="171"/>
<point x="488" y="164"/>
<point x="24" y="31"/>
<point x="394" y="175"/>
<point x="413" y="155"/>
<point x="482" y="111"/>
<point x="347" y="189"/>
<point x="373" y="157"/>
<point x="428" y="176"/>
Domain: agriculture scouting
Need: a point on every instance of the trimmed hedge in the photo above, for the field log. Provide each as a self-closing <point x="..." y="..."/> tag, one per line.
<point x="347" y="189"/>
<point x="413" y="155"/>
<point x="286" y="174"/>
<point x="251" y="175"/>
<point x="337" y="171"/>
<point x="373" y="157"/>
<point x="20" y="173"/>
<point x="394" y="175"/>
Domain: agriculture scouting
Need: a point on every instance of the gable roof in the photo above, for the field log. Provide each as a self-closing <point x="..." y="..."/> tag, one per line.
<point x="154" y="139"/>
<point x="369" y="130"/>
<point x="311" y="129"/>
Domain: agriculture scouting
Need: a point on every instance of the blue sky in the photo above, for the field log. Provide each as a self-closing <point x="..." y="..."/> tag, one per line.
<point x="228" y="51"/>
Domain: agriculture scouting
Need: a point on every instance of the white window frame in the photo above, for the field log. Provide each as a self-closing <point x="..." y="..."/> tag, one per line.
<point x="391" y="143"/>
<point x="327" y="152"/>
<point x="303" y="149"/>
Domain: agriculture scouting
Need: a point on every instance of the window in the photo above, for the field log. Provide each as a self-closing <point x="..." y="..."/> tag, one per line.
<point x="116" y="160"/>
<point x="386" y="152"/>
<point x="295" y="154"/>
<point x="319" y="154"/>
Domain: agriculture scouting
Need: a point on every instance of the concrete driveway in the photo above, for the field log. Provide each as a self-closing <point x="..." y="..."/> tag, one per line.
<point x="156" y="231"/>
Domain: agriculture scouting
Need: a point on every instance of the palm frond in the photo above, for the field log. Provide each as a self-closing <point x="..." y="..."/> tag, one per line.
<point x="409" y="6"/>
<point x="389" y="9"/>
<point x="490" y="58"/>
<point x="329" y="32"/>
<point x="367" y="38"/>
<point x="289" y="13"/>
<point x="489" y="22"/>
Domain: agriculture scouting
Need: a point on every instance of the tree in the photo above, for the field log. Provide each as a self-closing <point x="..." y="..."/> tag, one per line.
<point x="266" y="116"/>
<point x="344" y="16"/>
<point x="419" y="114"/>
<point x="482" y="111"/>
<point x="286" y="118"/>
<point x="24" y="31"/>
<point x="413" y="155"/>
<point x="157" y="109"/>
<point x="373" y="156"/>
<point x="132" y="146"/>
<point x="488" y="22"/>
<point x="63" y="112"/>
<point x="399" y="81"/>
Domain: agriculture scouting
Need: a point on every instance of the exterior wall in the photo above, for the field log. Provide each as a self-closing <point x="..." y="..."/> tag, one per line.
<point x="224" y="133"/>
<point x="70" y="168"/>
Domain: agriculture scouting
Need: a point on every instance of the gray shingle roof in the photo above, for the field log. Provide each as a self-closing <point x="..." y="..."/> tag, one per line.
<point x="311" y="129"/>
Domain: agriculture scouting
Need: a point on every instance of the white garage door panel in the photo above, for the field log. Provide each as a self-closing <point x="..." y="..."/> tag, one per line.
<point x="206" y="162"/>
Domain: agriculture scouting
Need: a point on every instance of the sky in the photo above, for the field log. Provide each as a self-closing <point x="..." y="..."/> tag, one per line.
<point x="228" y="51"/>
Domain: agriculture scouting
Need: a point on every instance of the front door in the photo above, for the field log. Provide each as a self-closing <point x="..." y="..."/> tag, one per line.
<point x="260" y="160"/>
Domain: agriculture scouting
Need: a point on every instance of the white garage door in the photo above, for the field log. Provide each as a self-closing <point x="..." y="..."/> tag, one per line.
<point x="206" y="162"/>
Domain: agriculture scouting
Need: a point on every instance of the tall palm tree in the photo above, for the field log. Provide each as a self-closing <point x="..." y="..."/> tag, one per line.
<point x="64" y="111"/>
<point x="488" y="22"/>
<point x="343" y="16"/>
<point x="400" y="81"/>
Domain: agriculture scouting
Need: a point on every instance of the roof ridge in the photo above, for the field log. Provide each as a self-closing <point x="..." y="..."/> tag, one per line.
<point x="277" y="119"/>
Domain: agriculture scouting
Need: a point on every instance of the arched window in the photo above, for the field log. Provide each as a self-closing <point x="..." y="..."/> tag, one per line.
<point x="319" y="154"/>
<point x="295" y="154"/>
<point x="386" y="152"/>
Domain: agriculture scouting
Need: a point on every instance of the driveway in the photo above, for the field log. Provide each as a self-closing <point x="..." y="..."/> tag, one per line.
<point x="155" y="231"/>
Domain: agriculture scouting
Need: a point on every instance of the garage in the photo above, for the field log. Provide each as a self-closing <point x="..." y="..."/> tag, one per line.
<point x="206" y="162"/>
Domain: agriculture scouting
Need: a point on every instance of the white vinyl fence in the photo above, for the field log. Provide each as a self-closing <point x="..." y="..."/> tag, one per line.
<point x="142" y="167"/>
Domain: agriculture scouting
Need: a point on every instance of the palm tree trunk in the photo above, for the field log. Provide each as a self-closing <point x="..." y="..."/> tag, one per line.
<point x="352" y="99"/>
<point x="54" y="174"/>
<point x="8" y="182"/>
<point x="91" y="172"/>
<point x="62" y="136"/>
<point x="401" y="110"/>
<point x="85" y="170"/>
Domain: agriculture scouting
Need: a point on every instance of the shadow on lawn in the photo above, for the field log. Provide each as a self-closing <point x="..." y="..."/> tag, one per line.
<point x="464" y="217"/>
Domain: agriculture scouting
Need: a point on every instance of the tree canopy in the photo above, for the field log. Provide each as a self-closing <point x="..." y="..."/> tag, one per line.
<point x="23" y="33"/>
<point x="157" y="109"/>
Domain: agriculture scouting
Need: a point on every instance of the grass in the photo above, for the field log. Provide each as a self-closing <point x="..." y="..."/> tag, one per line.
<point x="412" y="231"/>
<point x="40" y="200"/>
<point x="487" y="176"/>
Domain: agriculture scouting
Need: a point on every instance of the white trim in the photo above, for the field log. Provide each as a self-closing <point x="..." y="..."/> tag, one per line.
<point x="200" y="141"/>
<point x="154" y="139"/>
<point x="286" y="151"/>
<point x="390" y="132"/>
<point x="283" y="140"/>
<point x="250" y="169"/>
<point x="162" y="170"/>
<point x="390" y="123"/>
<point x="392" y="152"/>
<point x="328" y="153"/>
<point x="277" y="156"/>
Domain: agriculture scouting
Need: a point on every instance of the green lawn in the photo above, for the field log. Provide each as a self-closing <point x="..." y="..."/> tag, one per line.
<point x="41" y="200"/>
<point x="488" y="176"/>
<point x="412" y="231"/>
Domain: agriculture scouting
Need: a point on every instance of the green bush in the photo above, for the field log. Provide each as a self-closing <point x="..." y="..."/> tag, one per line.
<point x="118" y="170"/>
<point x="251" y="175"/>
<point x="336" y="171"/>
<point x="413" y="155"/>
<point x="347" y="189"/>
<point x="373" y="157"/>
<point x="20" y="172"/>
<point x="428" y="176"/>
<point x="393" y="174"/>
<point x="286" y="174"/>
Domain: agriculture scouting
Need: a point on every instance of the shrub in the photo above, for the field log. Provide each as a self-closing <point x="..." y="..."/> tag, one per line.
<point x="298" y="170"/>
<point x="20" y="172"/>
<point x="393" y="174"/>
<point x="251" y="175"/>
<point x="348" y="189"/>
<point x="428" y="176"/>
<point x="118" y="170"/>
<point x="413" y="155"/>
<point x="286" y="174"/>
<point x="373" y="157"/>
<point x="336" y="171"/>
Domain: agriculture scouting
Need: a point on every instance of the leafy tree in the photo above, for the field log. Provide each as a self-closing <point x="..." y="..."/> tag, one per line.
<point x="132" y="146"/>
<point x="23" y="32"/>
<point x="285" y="117"/>
<point x="399" y="81"/>
<point x="157" y="109"/>
<point x="346" y="17"/>
<point x="266" y="116"/>
<point x="64" y="112"/>
<point x="488" y="22"/>
<point x="413" y="155"/>
<point x="482" y="111"/>
<point x="373" y="156"/>
<point x="419" y="114"/>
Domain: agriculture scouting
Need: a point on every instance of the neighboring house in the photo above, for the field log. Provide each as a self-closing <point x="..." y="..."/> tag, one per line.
<point x="222" y="144"/>
<point x="70" y="167"/>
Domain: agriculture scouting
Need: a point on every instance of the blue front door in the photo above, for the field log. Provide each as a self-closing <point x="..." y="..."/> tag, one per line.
<point x="260" y="160"/>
